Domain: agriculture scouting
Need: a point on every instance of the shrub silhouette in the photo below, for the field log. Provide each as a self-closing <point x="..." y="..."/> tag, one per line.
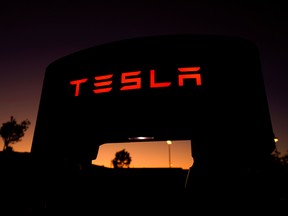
<point x="122" y="159"/>
<point x="12" y="132"/>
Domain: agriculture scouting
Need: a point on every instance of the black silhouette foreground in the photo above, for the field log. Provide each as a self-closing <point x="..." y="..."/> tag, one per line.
<point x="205" y="88"/>
<point x="97" y="188"/>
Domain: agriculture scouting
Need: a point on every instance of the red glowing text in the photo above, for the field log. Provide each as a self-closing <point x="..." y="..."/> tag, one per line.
<point x="132" y="80"/>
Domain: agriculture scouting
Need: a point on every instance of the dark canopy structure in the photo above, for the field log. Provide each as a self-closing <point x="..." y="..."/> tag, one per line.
<point x="205" y="88"/>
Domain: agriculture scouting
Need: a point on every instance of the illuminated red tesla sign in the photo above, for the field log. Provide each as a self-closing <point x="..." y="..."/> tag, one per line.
<point x="132" y="80"/>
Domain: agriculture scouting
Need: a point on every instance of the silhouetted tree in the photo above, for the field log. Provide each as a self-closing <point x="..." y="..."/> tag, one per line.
<point x="122" y="159"/>
<point x="284" y="159"/>
<point x="12" y="132"/>
<point x="281" y="159"/>
<point x="276" y="156"/>
<point x="280" y="173"/>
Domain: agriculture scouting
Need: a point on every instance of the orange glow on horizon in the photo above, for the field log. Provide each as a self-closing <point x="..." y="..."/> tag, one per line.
<point x="148" y="154"/>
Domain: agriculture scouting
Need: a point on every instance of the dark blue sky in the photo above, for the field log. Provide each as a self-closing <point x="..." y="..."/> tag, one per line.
<point x="35" y="34"/>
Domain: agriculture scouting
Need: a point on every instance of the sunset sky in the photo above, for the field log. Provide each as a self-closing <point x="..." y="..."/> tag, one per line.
<point x="35" y="34"/>
<point x="149" y="154"/>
